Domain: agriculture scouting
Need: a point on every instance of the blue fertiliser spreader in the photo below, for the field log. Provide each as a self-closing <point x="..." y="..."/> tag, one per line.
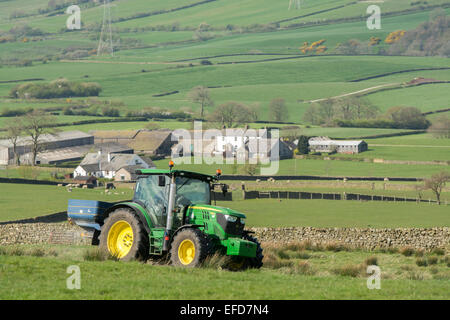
<point x="88" y="214"/>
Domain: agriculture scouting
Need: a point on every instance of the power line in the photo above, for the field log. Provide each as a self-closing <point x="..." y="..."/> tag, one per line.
<point x="105" y="43"/>
<point x="295" y="4"/>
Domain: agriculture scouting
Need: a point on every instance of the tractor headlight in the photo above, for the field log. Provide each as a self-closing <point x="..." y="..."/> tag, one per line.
<point x="230" y="218"/>
<point x="243" y="220"/>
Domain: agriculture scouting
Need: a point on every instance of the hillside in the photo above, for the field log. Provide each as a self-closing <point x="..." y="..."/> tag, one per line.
<point x="252" y="49"/>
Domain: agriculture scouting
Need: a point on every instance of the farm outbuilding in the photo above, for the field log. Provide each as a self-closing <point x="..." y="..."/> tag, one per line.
<point x="321" y="144"/>
<point x="61" y="140"/>
<point x="103" y="165"/>
<point x="151" y="142"/>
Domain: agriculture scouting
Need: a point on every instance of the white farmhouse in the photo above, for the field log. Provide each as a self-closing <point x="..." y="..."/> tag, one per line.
<point x="106" y="165"/>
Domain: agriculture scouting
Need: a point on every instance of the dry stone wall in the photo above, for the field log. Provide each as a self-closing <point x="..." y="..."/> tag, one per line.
<point x="360" y="238"/>
<point x="40" y="233"/>
<point x="65" y="233"/>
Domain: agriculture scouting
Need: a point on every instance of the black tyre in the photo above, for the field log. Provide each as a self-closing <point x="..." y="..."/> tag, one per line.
<point x="189" y="248"/>
<point x="238" y="263"/>
<point x="257" y="261"/>
<point x="123" y="236"/>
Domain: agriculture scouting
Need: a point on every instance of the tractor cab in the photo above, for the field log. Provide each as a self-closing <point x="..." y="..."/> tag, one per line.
<point x="153" y="190"/>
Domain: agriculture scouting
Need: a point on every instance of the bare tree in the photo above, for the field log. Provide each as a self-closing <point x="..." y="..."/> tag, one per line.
<point x="437" y="183"/>
<point x="201" y="96"/>
<point x="278" y="110"/>
<point x="35" y="125"/>
<point x="230" y="114"/>
<point x="440" y="128"/>
<point x="14" y="130"/>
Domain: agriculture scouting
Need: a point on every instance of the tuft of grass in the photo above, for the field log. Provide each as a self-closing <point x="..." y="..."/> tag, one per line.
<point x="349" y="270"/>
<point x="415" y="275"/>
<point x="407" y="251"/>
<point x="406" y="267"/>
<point x="446" y="260"/>
<point x="216" y="261"/>
<point x="272" y="261"/>
<point x="95" y="254"/>
<point x="438" y="251"/>
<point x="422" y="262"/>
<point x="37" y="252"/>
<point x="15" y="251"/>
<point x="303" y="267"/>
<point x="432" y="260"/>
<point x="282" y="254"/>
<point x="371" y="261"/>
<point x="419" y="253"/>
<point x="336" y="247"/>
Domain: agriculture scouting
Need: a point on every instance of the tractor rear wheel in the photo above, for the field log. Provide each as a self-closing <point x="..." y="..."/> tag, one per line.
<point x="123" y="236"/>
<point x="189" y="248"/>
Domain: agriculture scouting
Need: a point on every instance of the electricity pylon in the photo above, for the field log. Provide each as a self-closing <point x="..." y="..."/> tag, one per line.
<point x="295" y="4"/>
<point x="105" y="43"/>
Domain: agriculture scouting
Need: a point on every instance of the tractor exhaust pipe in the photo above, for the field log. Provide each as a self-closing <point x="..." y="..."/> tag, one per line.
<point x="170" y="208"/>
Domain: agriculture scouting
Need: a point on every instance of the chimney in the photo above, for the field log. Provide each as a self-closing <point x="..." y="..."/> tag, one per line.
<point x="109" y="157"/>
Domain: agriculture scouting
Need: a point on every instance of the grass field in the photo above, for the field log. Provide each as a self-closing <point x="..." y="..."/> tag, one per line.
<point x="330" y="168"/>
<point x="302" y="78"/>
<point x="330" y="213"/>
<point x="317" y="213"/>
<point x="319" y="275"/>
<point x="20" y="201"/>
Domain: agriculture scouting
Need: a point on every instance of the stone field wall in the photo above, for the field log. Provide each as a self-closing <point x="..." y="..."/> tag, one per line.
<point x="65" y="233"/>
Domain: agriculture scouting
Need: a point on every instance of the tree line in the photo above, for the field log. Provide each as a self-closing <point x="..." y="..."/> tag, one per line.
<point x="358" y="112"/>
<point x="60" y="88"/>
<point x="233" y="113"/>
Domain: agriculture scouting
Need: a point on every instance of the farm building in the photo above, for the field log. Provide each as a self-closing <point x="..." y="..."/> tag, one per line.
<point x="239" y="143"/>
<point x="47" y="142"/>
<point x="78" y="153"/>
<point x="324" y="144"/>
<point x="127" y="173"/>
<point x="151" y="142"/>
<point x="89" y="181"/>
<point x="106" y="165"/>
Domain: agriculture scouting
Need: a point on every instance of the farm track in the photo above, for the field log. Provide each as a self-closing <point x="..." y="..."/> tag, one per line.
<point x="353" y="93"/>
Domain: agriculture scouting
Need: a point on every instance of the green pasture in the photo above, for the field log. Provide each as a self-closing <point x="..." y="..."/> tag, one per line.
<point x="331" y="168"/>
<point x="340" y="213"/>
<point x="21" y="201"/>
<point x="31" y="277"/>
<point x="407" y="153"/>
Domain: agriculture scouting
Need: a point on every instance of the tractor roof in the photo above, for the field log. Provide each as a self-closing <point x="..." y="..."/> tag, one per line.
<point x="177" y="173"/>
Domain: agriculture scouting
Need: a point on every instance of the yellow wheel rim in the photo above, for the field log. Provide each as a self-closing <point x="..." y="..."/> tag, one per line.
<point x="186" y="252"/>
<point x="120" y="239"/>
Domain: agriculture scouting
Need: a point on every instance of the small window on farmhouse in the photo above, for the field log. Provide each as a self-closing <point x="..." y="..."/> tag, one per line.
<point x="122" y="177"/>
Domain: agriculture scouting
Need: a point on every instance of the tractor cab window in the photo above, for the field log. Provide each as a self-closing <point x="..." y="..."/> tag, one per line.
<point x="152" y="195"/>
<point x="192" y="191"/>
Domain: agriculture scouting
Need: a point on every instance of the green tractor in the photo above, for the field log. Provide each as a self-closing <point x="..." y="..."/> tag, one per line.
<point x="170" y="216"/>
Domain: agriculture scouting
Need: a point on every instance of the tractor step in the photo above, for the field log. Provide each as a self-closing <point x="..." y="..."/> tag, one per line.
<point x="156" y="238"/>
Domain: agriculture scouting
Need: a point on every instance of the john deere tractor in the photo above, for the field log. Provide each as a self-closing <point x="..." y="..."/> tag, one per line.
<point x="170" y="216"/>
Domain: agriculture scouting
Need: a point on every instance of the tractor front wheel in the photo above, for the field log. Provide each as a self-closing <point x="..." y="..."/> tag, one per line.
<point x="123" y="236"/>
<point x="239" y="263"/>
<point x="189" y="248"/>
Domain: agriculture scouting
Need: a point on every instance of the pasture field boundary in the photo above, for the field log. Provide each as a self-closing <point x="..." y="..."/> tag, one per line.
<point x="363" y="18"/>
<point x="301" y="177"/>
<point x="300" y="195"/>
<point x="398" y="72"/>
